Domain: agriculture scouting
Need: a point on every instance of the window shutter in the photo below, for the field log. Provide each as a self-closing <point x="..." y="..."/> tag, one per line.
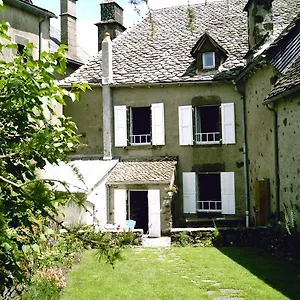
<point x="154" y="213"/>
<point x="120" y="126"/>
<point x="185" y="114"/>
<point x="189" y="192"/>
<point x="227" y="193"/>
<point x="158" y="124"/>
<point x="228" y="123"/>
<point x="120" y="207"/>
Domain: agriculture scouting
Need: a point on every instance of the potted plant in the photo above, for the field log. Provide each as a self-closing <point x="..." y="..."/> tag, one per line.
<point x="171" y="190"/>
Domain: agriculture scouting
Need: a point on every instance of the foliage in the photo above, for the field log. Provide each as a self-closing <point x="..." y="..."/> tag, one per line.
<point x="290" y="219"/>
<point x="101" y="240"/>
<point x="32" y="135"/>
<point x="45" y="285"/>
<point x="184" y="239"/>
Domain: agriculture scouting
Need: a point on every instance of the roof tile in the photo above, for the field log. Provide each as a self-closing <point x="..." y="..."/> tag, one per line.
<point x="163" y="55"/>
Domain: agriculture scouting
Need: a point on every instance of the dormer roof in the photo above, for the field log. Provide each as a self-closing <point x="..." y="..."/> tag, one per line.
<point x="204" y="38"/>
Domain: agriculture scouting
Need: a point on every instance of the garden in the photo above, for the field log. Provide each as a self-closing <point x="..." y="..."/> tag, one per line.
<point x="185" y="273"/>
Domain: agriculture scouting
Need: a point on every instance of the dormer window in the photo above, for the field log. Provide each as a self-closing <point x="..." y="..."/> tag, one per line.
<point x="208" y="60"/>
<point x="208" y="53"/>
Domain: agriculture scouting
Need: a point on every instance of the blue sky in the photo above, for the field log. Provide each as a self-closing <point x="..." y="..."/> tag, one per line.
<point x="88" y="13"/>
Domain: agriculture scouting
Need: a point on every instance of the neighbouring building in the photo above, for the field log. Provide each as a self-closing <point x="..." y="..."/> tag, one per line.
<point x="28" y="23"/>
<point x="165" y="104"/>
<point x="67" y="35"/>
<point x="271" y="87"/>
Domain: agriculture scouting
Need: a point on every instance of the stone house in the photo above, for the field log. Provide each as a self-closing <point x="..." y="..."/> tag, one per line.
<point x="28" y="23"/>
<point x="165" y="104"/>
<point x="270" y="86"/>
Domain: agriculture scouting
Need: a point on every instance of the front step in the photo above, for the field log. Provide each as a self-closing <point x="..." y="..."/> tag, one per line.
<point x="149" y="242"/>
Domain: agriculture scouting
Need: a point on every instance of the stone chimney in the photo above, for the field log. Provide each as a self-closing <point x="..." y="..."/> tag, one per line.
<point x="107" y="78"/>
<point x="111" y="21"/>
<point x="260" y="22"/>
<point x="68" y="26"/>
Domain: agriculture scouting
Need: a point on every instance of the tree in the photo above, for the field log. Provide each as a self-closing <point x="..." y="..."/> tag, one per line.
<point x="29" y="139"/>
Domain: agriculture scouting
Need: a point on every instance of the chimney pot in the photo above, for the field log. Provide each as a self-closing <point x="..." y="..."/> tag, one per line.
<point x="68" y="26"/>
<point x="111" y="21"/>
<point x="260" y="22"/>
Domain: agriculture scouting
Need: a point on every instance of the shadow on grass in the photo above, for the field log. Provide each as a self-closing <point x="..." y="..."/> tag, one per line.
<point x="280" y="275"/>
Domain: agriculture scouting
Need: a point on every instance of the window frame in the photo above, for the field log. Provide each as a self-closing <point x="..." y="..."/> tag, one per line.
<point x="146" y="135"/>
<point x="198" y="195"/>
<point x="197" y="126"/>
<point x="204" y="65"/>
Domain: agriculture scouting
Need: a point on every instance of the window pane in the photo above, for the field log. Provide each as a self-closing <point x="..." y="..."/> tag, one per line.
<point x="209" y="116"/>
<point x="208" y="60"/>
<point x="210" y="187"/>
<point x="141" y="122"/>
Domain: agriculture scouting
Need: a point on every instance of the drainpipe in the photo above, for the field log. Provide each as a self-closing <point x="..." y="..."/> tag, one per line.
<point x="41" y="34"/>
<point x="245" y="156"/>
<point x="276" y="161"/>
<point x="107" y="79"/>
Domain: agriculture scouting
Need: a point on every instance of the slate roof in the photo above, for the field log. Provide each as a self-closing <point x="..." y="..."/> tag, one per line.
<point x="141" y="56"/>
<point x="290" y="51"/>
<point x="55" y="41"/>
<point x="289" y="80"/>
<point x="143" y="172"/>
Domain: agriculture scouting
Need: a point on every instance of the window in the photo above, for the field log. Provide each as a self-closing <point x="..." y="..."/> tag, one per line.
<point x="146" y="125"/>
<point x="206" y="127"/>
<point x="209" y="192"/>
<point x="140" y="126"/>
<point x="208" y="60"/>
<point x="20" y="49"/>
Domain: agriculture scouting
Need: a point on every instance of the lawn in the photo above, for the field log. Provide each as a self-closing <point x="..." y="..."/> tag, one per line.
<point x="185" y="273"/>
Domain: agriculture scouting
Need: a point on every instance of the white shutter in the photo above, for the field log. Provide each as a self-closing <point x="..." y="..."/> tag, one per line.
<point x="189" y="192"/>
<point x="185" y="114"/>
<point x="158" y="124"/>
<point x="227" y="193"/>
<point x="120" y="207"/>
<point x="228" y="123"/>
<point x="154" y="213"/>
<point x="120" y="126"/>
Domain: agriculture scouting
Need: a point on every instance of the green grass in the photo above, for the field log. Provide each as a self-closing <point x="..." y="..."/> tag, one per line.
<point x="184" y="273"/>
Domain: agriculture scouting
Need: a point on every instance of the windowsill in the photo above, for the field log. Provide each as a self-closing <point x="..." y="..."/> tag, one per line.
<point x="203" y="145"/>
<point x="208" y="143"/>
<point x="140" y="144"/>
<point x="209" y="211"/>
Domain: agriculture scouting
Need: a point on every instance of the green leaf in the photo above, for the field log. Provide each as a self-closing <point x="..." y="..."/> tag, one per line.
<point x="43" y="238"/>
<point x="35" y="248"/>
<point x="25" y="248"/>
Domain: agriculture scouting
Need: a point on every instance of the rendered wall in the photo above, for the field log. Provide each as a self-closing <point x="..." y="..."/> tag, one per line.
<point x="260" y="133"/>
<point x="25" y="28"/>
<point x="87" y="114"/>
<point x="225" y="158"/>
<point x="289" y="160"/>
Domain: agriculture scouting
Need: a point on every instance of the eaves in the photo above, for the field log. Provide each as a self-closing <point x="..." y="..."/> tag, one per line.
<point x="31" y="8"/>
<point x="283" y="94"/>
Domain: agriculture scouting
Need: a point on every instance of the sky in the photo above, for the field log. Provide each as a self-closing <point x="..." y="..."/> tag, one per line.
<point x="88" y="13"/>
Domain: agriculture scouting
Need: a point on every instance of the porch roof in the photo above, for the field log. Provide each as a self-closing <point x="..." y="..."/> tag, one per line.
<point x="143" y="172"/>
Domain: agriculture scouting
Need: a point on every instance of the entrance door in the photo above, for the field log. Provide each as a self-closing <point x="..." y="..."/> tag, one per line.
<point x="120" y="207"/>
<point x="154" y="213"/>
<point x="138" y="209"/>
